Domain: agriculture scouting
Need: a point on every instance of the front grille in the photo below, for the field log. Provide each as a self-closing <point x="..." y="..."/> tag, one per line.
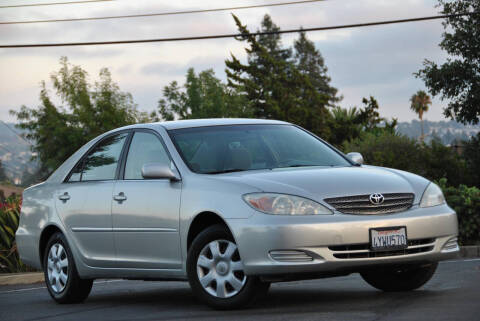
<point x="360" y="251"/>
<point x="360" y="204"/>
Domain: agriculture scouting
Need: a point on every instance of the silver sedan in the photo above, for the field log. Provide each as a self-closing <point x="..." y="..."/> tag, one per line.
<point x="230" y="205"/>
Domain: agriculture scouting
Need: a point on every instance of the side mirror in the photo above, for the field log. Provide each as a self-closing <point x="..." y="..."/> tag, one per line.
<point x="356" y="157"/>
<point x="159" y="170"/>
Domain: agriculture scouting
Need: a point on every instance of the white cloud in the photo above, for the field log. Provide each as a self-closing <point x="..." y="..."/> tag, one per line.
<point x="374" y="60"/>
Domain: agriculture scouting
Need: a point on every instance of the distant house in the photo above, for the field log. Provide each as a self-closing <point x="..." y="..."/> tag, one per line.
<point x="7" y="191"/>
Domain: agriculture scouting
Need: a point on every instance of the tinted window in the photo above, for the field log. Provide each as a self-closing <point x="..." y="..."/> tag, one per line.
<point x="218" y="149"/>
<point x="101" y="162"/>
<point x="145" y="148"/>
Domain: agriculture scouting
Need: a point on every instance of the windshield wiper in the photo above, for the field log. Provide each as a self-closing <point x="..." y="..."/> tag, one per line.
<point x="306" y="165"/>
<point x="226" y="171"/>
<point x="301" y="165"/>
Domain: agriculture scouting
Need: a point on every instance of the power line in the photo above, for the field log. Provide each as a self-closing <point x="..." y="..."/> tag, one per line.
<point x="50" y="4"/>
<point x="234" y="35"/>
<point x="16" y="134"/>
<point x="277" y="4"/>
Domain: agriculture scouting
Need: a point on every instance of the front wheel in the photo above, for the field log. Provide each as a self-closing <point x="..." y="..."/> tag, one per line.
<point x="215" y="271"/>
<point x="401" y="278"/>
<point x="61" y="276"/>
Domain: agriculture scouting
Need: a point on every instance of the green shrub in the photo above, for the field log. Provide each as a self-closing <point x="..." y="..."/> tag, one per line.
<point x="432" y="161"/>
<point x="388" y="150"/>
<point x="9" y="217"/>
<point x="466" y="202"/>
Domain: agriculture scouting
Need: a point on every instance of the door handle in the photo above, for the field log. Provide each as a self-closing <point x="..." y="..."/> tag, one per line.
<point x="120" y="197"/>
<point x="64" y="197"/>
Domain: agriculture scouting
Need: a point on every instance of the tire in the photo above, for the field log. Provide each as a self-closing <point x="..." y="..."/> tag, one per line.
<point x="215" y="268"/>
<point x="61" y="276"/>
<point x="403" y="278"/>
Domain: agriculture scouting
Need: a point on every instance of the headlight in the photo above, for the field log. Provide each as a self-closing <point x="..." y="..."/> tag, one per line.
<point x="283" y="204"/>
<point x="432" y="196"/>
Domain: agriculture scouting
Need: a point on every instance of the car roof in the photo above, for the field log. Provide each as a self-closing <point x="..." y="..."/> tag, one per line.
<point x="190" y="123"/>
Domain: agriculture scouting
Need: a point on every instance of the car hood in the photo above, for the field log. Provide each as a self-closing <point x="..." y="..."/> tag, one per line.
<point x="318" y="183"/>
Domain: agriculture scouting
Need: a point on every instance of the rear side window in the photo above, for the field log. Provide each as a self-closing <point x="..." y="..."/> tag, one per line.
<point x="144" y="148"/>
<point x="101" y="162"/>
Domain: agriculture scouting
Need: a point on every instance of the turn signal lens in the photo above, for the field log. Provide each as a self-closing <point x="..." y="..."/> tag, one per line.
<point x="283" y="204"/>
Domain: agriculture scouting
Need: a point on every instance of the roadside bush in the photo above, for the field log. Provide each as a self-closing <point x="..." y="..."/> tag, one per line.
<point x="388" y="150"/>
<point x="466" y="202"/>
<point x="9" y="216"/>
<point x="472" y="158"/>
<point x="432" y="161"/>
<point x="440" y="161"/>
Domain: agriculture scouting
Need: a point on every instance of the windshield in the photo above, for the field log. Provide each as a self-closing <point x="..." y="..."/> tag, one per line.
<point x="221" y="149"/>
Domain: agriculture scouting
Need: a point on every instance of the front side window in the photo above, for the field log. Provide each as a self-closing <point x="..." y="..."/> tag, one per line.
<point x="144" y="148"/>
<point x="101" y="162"/>
<point x="219" y="149"/>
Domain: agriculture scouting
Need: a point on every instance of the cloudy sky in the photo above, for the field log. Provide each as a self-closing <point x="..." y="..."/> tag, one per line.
<point x="376" y="61"/>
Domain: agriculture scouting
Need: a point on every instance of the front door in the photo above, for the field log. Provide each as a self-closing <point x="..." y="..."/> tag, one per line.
<point x="145" y="212"/>
<point x="84" y="201"/>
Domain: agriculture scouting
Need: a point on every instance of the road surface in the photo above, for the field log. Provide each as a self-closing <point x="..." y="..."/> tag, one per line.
<point x="453" y="294"/>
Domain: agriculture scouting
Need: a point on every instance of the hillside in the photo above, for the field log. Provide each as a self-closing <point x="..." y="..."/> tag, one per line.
<point x="446" y="131"/>
<point x="15" y="153"/>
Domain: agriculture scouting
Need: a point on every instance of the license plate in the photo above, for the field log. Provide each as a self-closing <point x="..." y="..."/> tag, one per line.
<point x="388" y="238"/>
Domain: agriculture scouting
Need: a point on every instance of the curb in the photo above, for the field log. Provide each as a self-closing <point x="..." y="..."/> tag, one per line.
<point x="470" y="251"/>
<point x="21" y="278"/>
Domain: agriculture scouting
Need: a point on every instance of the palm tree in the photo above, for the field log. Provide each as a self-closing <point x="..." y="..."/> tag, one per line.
<point x="419" y="104"/>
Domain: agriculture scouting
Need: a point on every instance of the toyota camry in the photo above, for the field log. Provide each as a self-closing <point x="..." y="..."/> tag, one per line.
<point x="230" y="205"/>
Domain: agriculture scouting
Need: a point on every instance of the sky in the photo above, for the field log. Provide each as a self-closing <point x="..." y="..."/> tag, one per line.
<point x="378" y="61"/>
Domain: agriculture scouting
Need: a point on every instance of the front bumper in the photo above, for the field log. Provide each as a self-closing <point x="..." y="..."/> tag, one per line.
<point x="339" y="242"/>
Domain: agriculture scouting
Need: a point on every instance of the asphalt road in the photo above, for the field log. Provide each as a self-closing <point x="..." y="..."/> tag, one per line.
<point x="453" y="294"/>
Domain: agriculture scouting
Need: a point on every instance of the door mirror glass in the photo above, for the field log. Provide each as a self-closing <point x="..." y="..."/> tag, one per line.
<point x="159" y="170"/>
<point x="356" y="157"/>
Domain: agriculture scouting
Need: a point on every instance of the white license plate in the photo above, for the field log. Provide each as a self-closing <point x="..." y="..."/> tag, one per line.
<point x="388" y="238"/>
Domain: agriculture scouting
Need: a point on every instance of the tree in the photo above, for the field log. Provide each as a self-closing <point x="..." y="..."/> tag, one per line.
<point x="57" y="132"/>
<point x="3" y="176"/>
<point x="274" y="87"/>
<point x="271" y="42"/>
<point x="349" y="124"/>
<point x="202" y="96"/>
<point x="310" y="62"/>
<point x="345" y="125"/>
<point x="419" y="103"/>
<point x="370" y="118"/>
<point x="471" y="154"/>
<point x="458" y="79"/>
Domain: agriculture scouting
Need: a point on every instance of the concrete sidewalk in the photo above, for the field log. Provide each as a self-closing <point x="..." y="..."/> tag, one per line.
<point x="21" y="278"/>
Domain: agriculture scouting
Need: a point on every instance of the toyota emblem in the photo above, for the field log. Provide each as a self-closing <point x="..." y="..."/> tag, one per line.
<point x="376" y="198"/>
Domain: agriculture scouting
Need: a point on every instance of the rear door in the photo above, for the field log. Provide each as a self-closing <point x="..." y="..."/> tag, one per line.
<point x="84" y="201"/>
<point x="145" y="212"/>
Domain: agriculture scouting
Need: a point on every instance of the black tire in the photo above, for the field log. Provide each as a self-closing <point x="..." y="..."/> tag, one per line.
<point x="402" y="278"/>
<point x="252" y="289"/>
<point x="75" y="289"/>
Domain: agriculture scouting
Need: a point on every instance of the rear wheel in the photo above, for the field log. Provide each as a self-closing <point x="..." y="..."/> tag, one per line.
<point x="401" y="278"/>
<point x="61" y="276"/>
<point x="215" y="271"/>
